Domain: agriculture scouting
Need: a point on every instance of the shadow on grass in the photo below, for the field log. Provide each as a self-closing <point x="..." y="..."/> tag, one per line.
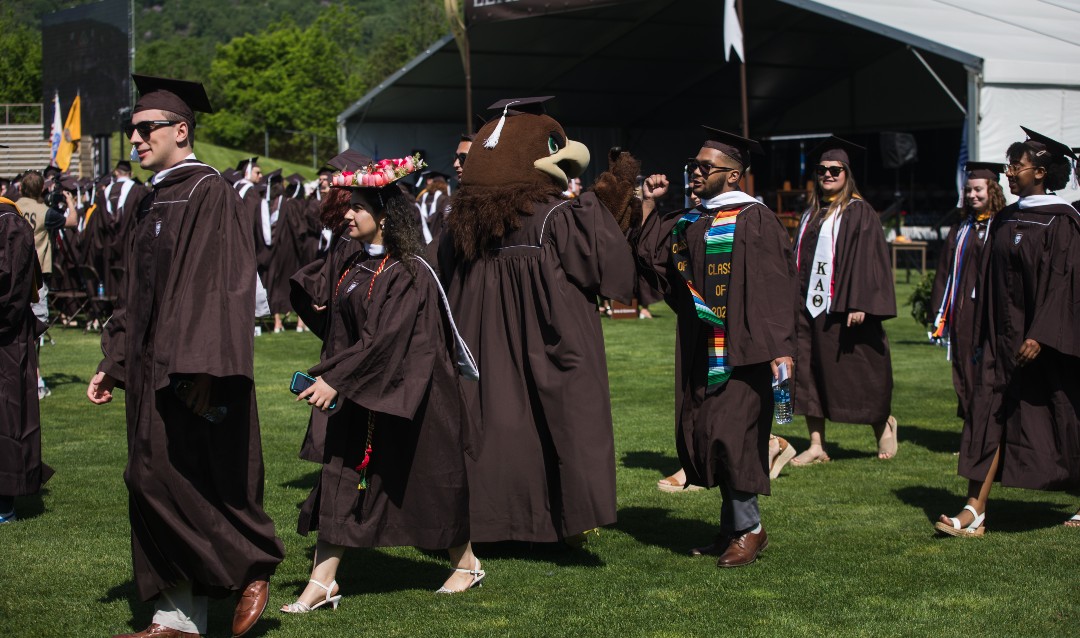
<point x="915" y="342"/>
<point x="649" y="460"/>
<point x="56" y="380"/>
<point x="558" y="554"/>
<point x="944" y="441"/>
<point x="655" y="526"/>
<point x="141" y="613"/>
<point x="305" y="482"/>
<point x="369" y="571"/>
<point x="32" y="506"/>
<point x="1005" y="516"/>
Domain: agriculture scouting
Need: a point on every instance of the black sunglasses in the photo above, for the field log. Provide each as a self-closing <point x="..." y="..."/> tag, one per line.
<point x="831" y="170"/>
<point x="147" y="127"/>
<point x="705" y="169"/>
<point x="460" y="157"/>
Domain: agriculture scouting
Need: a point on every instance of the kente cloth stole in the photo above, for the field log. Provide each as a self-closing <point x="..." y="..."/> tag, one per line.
<point x="948" y="300"/>
<point x="711" y="307"/>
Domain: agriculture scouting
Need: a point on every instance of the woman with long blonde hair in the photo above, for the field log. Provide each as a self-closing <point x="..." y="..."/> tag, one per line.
<point x="844" y="370"/>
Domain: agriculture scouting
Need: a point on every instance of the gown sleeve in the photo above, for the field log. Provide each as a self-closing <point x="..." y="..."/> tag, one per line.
<point x="1057" y="300"/>
<point x="864" y="278"/>
<point x="307" y="289"/>
<point x="593" y="249"/>
<point x="18" y="261"/>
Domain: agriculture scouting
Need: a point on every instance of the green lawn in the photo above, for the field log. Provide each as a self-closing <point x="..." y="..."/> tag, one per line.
<point x="852" y="551"/>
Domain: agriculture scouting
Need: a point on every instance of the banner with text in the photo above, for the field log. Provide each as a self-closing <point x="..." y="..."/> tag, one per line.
<point x="477" y="11"/>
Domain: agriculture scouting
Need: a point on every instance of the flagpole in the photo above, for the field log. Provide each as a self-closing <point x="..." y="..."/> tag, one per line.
<point x="742" y="74"/>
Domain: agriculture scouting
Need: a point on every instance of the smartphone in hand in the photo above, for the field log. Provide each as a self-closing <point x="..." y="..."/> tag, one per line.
<point x="301" y="382"/>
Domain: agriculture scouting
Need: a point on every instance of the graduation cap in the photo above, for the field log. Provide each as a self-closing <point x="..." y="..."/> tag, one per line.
<point x="273" y="176"/>
<point x="348" y="161"/>
<point x="231" y="175"/>
<point x="167" y="94"/>
<point x="522" y="106"/>
<point x="837" y="149"/>
<point x="435" y="175"/>
<point x="244" y="166"/>
<point x="69" y="183"/>
<point x="3" y="146"/>
<point x="984" y="170"/>
<point x="295" y="178"/>
<point x="734" y="146"/>
<point x="123" y="165"/>
<point x="326" y="170"/>
<point x="1041" y="143"/>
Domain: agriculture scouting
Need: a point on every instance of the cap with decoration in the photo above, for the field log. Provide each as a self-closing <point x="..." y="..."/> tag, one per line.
<point x="521" y="105"/>
<point x="1041" y="143"/>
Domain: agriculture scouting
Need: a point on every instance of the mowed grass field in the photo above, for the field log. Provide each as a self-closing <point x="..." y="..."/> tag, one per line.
<point x="852" y="551"/>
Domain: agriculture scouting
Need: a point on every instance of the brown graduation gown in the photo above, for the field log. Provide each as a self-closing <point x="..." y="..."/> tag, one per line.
<point x="845" y="374"/>
<point x="546" y="466"/>
<point x="1030" y="289"/>
<point x="252" y="204"/>
<point x="312" y="286"/>
<point x="723" y="437"/>
<point x="292" y="249"/>
<point x="399" y="367"/>
<point x="962" y="323"/>
<point x="115" y="227"/>
<point x="195" y="487"/>
<point x="21" y="469"/>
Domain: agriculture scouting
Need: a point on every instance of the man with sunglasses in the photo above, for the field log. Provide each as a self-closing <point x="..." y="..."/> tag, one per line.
<point x="181" y="346"/>
<point x="725" y="267"/>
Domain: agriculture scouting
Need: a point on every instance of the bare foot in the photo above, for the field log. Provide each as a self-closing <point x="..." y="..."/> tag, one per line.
<point x="813" y="454"/>
<point x="887" y="439"/>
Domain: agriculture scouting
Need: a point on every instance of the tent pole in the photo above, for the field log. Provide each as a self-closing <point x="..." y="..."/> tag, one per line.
<point x="742" y="75"/>
<point x="461" y="35"/>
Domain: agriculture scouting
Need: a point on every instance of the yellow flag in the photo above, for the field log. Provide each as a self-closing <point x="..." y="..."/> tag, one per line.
<point x="69" y="140"/>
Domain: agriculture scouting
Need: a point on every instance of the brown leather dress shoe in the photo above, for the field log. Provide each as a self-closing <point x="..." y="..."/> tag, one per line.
<point x="251" y="605"/>
<point x="744" y="549"/>
<point x="159" y="631"/>
<point x="715" y="548"/>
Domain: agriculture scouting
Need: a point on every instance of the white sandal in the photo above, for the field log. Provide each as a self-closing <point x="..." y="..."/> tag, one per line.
<point x="976" y="527"/>
<point x="1074" y="521"/>
<point x="300" y="607"/>
<point x="477" y="580"/>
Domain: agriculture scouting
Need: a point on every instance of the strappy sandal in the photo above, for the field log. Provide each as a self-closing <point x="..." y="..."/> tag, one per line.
<point x="477" y="580"/>
<point x="787" y="452"/>
<point x="1074" y="521"/>
<point x="300" y="607"/>
<point x="976" y="528"/>
<point x="669" y="484"/>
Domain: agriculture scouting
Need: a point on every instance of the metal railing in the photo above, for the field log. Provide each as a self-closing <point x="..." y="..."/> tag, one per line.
<point x="24" y="120"/>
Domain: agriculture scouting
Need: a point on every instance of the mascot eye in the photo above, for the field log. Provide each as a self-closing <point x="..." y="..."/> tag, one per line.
<point x="555" y="142"/>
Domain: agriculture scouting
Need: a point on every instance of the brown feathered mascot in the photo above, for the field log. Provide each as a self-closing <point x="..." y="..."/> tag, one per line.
<point x="523" y="267"/>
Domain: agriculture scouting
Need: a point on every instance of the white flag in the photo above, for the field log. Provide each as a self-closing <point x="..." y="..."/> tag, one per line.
<point x="732" y="32"/>
<point x="57" y="129"/>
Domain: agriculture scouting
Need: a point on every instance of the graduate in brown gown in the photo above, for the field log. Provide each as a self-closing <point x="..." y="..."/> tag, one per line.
<point x="725" y="268"/>
<point x="119" y="205"/>
<point x="957" y="275"/>
<point x="181" y="346"/>
<point x="846" y="290"/>
<point x="295" y="238"/>
<point x="312" y="287"/>
<point x="21" y="470"/>
<point x="1022" y="427"/>
<point x="523" y="268"/>
<point x="394" y="459"/>
<point x="258" y="209"/>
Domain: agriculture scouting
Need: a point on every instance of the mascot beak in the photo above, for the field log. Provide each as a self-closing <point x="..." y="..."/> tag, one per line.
<point x="571" y="161"/>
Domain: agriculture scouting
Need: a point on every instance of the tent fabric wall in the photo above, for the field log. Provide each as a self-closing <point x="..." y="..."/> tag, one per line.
<point x="1052" y="111"/>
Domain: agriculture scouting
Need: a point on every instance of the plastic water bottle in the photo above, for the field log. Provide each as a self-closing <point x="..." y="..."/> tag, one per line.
<point x="782" y="396"/>
<point x="100" y="290"/>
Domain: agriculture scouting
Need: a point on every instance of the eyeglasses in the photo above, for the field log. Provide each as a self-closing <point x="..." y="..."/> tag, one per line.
<point x="831" y="170"/>
<point x="704" y="168"/>
<point x="147" y="127"/>
<point x="460" y="158"/>
<point x="1013" y="170"/>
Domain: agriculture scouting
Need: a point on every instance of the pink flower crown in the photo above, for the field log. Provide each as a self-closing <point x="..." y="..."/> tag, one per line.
<point x="379" y="174"/>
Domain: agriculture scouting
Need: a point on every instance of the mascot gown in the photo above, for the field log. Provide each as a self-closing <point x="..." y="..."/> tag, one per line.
<point x="523" y="268"/>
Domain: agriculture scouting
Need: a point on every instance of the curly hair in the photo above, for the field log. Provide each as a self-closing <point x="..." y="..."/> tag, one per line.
<point x="1057" y="167"/>
<point x="482" y="215"/>
<point x="401" y="230"/>
<point x="333" y="209"/>
<point x="995" y="195"/>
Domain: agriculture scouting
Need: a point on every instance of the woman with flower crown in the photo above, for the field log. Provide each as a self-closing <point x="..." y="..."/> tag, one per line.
<point x="397" y="430"/>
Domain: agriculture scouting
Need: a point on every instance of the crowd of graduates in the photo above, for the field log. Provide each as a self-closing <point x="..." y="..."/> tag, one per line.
<point x="461" y="394"/>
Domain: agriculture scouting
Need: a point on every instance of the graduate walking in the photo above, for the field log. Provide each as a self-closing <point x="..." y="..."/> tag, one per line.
<point x="181" y="347"/>
<point x="725" y="267"/>
<point x="846" y="291"/>
<point x="1022" y="427"/>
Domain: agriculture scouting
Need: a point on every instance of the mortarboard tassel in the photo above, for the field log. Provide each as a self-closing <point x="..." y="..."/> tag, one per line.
<point x="493" y="139"/>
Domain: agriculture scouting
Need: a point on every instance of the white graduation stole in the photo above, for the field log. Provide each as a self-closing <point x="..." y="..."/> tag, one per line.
<point x="819" y="294"/>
